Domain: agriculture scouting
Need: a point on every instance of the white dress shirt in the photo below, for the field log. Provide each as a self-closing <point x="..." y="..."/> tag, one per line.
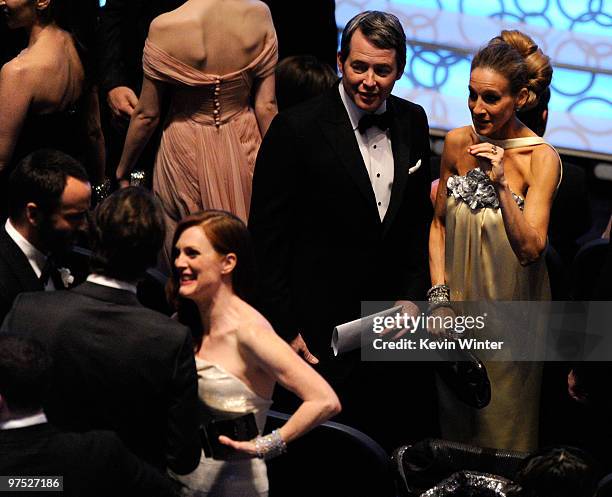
<point x="111" y="282"/>
<point x="35" y="419"/>
<point x="35" y="257"/>
<point x="375" y="148"/>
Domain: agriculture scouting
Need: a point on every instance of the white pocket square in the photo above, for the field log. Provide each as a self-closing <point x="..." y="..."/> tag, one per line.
<point x="414" y="168"/>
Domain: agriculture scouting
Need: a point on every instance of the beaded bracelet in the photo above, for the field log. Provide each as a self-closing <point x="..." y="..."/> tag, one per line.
<point x="438" y="293"/>
<point x="101" y="191"/>
<point x="270" y="445"/>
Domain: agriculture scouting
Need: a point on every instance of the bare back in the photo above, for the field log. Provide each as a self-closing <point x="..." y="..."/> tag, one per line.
<point x="54" y="74"/>
<point x="214" y="36"/>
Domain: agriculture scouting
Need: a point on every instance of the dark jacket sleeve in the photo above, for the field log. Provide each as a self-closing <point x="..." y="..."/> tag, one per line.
<point x="110" y="40"/>
<point x="184" y="447"/>
<point x="133" y="476"/>
<point x="416" y="278"/>
<point x="270" y="223"/>
<point x="10" y="324"/>
<point x="6" y="300"/>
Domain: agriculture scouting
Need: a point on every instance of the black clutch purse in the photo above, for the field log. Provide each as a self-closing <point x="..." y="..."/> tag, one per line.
<point x="241" y="428"/>
<point x="467" y="377"/>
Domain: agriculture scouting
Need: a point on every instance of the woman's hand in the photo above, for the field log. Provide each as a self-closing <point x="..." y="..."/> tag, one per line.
<point x="491" y="160"/>
<point x="246" y="449"/>
<point x="575" y="390"/>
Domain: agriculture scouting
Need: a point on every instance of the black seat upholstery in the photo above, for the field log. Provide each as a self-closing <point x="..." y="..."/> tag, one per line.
<point x="333" y="459"/>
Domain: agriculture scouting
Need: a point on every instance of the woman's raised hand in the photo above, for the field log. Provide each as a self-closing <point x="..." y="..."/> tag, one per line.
<point x="490" y="159"/>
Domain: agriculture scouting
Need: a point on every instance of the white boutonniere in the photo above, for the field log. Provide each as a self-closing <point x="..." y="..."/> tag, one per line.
<point x="66" y="275"/>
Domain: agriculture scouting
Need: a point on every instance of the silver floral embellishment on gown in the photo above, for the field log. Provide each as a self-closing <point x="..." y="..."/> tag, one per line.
<point x="476" y="190"/>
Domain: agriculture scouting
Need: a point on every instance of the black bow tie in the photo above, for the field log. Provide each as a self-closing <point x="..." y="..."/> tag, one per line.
<point x="50" y="272"/>
<point x="382" y="121"/>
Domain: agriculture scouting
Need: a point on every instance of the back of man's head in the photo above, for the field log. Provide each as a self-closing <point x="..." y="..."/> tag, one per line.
<point x="40" y="178"/>
<point x="24" y="372"/>
<point x="556" y="472"/>
<point x="128" y="234"/>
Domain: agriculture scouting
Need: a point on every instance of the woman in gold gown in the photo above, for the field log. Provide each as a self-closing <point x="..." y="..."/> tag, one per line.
<point x="489" y="232"/>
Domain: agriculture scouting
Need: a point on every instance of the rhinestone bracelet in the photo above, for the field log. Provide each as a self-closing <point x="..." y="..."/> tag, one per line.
<point x="270" y="445"/>
<point x="438" y="293"/>
<point x="101" y="191"/>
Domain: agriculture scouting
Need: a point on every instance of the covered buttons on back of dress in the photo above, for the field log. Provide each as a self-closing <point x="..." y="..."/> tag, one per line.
<point x="217" y="103"/>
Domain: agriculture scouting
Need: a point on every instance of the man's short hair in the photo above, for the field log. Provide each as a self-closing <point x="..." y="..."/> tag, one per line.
<point x="41" y="177"/>
<point x="128" y="233"/>
<point x="300" y="78"/>
<point x="556" y="472"/>
<point x="383" y="30"/>
<point x="24" y="372"/>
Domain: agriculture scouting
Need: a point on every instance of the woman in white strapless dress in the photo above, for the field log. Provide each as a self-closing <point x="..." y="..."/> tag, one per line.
<point x="239" y="357"/>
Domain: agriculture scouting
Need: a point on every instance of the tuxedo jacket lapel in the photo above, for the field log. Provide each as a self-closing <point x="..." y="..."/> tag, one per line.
<point x="401" y="135"/>
<point x="336" y="126"/>
<point x="18" y="264"/>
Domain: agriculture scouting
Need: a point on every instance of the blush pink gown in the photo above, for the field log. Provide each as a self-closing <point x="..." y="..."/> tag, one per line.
<point x="210" y="139"/>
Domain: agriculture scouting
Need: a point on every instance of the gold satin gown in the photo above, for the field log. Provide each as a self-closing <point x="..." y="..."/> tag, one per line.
<point x="480" y="265"/>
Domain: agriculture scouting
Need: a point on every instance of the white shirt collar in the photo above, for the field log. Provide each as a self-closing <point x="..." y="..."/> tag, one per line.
<point x="111" y="282"/>
<point x="35" y="257"/>
<point x="354" y="112"/>
<point x="35" y="419"/>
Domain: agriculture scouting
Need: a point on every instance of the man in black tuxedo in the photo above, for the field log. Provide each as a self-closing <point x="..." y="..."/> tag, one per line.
<point x="340" y="214"/>
<point x="123" y="29"/>
<point x="49" y="196"/>
<point x="93" y="463"/>
<point x="117" y="364"/>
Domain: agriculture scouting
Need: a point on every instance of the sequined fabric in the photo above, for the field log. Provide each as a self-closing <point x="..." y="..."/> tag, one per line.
<point x="223" y="395"/>
<point x="469" y="482"/>
<point x="477" y="190"/>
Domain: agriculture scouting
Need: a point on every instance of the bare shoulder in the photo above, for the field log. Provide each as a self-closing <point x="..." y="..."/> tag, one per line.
<point x="259" y="8"/>
<point x="545" y="163"/>
<point x="160" y="26"/>
<point x="258" y="14"/>
<point x="459" y="137"/>
<point x="455" y="142"/>
<point x="20" y="73"/>
<point x="255" y="330"/>
<point x="18" y="67"/>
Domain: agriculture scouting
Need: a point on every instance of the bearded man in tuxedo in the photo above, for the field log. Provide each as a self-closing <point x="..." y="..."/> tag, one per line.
<point x="48" y="200"/>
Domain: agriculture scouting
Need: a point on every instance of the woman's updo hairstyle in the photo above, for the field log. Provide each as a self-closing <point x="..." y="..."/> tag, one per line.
<point x="517" y="57"/>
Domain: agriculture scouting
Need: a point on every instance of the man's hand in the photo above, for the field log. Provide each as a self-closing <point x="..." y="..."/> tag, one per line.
<point x="122" y="101"/>
<point x="299" y="345"/>
<point x="442" y="313"/>
<point x="409" y="309"/>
